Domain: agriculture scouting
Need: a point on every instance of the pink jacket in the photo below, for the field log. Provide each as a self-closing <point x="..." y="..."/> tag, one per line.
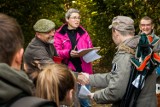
<point x="63" y="46"/>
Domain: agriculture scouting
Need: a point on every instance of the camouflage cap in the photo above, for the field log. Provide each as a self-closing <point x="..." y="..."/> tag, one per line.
<point x="122" y="23"/>
<point x="44" y="25"/>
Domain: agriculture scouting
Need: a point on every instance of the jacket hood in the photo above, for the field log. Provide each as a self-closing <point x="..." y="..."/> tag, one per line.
<point x="133" y="42"/>
<point x="13" y="83"/>
<point x="129" y="45"/>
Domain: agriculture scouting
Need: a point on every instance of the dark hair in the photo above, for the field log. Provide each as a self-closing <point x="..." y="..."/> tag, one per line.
<point x="11" y="38"/>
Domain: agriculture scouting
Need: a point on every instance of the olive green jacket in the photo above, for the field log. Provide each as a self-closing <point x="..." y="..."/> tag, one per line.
<point x="13" y="83"/>
<point x="16" y="90"/>
<point x="114" y="83"/>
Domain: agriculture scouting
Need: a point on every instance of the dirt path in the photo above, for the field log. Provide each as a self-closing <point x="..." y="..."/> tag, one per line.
<point x="98" y="105"/>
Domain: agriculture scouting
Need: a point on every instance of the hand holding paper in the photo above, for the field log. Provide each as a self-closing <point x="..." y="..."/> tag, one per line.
<point x="74" y="53"/>
<point x="91" y="96"/>
<point x="84" y="92"/>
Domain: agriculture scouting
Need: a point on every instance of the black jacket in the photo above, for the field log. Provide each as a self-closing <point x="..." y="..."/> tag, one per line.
<point x="16" y="86"/>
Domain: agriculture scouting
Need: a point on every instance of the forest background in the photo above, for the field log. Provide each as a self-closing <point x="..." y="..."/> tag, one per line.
<point x="96" y="16"/>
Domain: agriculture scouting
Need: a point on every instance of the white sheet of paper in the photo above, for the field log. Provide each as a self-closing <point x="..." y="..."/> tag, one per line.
<point x="91" y="56"/>
<point x="83" y="92"/>
<point x="82" y="52"/>
<point x="136" y="81"/>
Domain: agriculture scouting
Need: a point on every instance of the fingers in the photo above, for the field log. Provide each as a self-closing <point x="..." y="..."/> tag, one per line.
<point x="74" y="53"/>
<point x="82" y="79"/>
<point x="91" y="96"/>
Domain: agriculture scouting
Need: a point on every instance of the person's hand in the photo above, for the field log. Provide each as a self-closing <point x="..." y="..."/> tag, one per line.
<point x="83" y="78"/>
<point x="74" y="53"/>
<point x="91" y="96"/>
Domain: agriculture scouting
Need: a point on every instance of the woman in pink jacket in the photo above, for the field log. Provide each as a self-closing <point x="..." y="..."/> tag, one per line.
<point x="70" y="38"/>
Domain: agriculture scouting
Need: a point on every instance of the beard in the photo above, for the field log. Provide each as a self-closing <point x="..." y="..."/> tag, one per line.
<point x="50" y="40"/>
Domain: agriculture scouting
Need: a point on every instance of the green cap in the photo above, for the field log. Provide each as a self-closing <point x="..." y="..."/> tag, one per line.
<point x="44" y="25"/>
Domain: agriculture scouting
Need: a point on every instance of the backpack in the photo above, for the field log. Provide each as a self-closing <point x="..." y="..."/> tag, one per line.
<point x="146" y="60"/>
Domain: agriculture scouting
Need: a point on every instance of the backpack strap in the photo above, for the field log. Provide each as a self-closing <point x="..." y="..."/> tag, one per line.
<point x="31" y="101"/>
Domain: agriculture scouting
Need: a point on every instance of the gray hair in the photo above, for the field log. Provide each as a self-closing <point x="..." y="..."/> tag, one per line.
<point x="70" y="11"/>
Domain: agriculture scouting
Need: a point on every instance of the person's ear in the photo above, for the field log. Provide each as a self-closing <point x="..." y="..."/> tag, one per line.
<point x="69" y="97"/>
<point x="25" y="67"/>
<point x="116" y="33"/>
<point x="38" y="35"/>
<point x="71" y="92"/>
<point x="140" y="27"/>
<point x="67" y="20"/>
<point x="152" y="26"/>
<point x="17" y="59"/>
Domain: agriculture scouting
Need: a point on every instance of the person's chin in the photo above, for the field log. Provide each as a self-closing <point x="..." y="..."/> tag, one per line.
<point x="147" y="33"/>
<point x="76" y="26"/>
<point x="50" y="41"/>
<point x="69" y="104"/>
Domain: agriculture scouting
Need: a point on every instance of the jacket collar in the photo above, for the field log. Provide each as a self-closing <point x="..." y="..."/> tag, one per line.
<point x="63" y="30"/>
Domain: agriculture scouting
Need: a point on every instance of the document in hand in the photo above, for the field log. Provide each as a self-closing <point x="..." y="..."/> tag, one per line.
<point x="91" y="56"/>
<point x="83" y="92"/>
<point x="82" y="52"/>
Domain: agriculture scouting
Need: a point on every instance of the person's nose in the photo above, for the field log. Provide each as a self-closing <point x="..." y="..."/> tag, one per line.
<point x="145" y="27"/>
<point x="52" y="33"/>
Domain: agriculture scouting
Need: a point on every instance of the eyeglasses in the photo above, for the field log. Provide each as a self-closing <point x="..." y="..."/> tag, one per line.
<point x="75" y="18"/>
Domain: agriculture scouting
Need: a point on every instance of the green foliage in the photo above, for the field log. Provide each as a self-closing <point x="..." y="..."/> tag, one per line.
<point x="96" y="15"/>
<point x="27" y="12"/>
